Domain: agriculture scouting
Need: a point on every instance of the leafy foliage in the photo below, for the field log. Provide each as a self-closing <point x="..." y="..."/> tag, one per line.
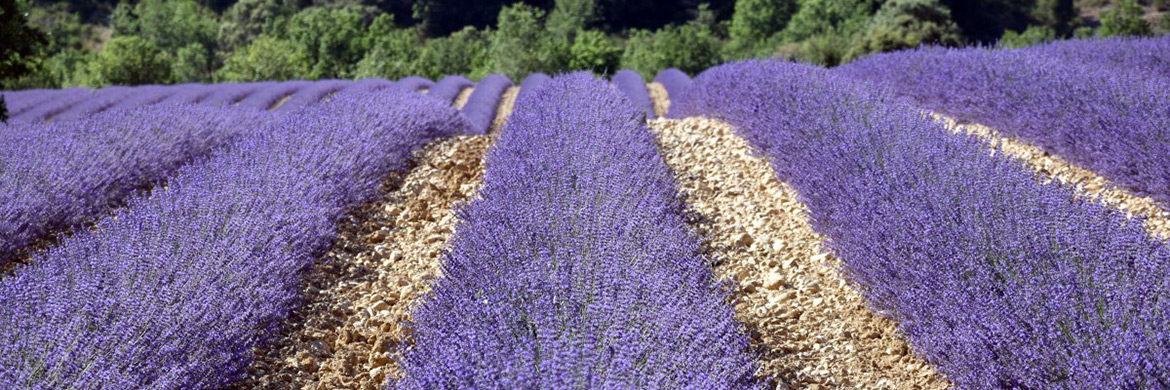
<point x="21" y="42"/>
<point x="593" y="50"/>
<point x="902" y="24"/>
<point x="1124" y="18"/>
<point x="464" y="52"/>
<point x="131" y="60"/>
<point x="755" y="22"/>
<point x="266" y="58"/>
<point x="692" y="48"/>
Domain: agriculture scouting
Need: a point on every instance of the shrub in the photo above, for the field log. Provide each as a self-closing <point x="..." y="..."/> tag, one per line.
<point x="592" y="50"/>
<point x="266" y="58"/>
<point x="131" y="60"/>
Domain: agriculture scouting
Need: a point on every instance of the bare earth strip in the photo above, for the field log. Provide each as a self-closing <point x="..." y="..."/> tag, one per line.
<point x="1084" y="182"/>
<point x="504" y="109"/>
<point x="361" y="294"/>
<point x="462" y="97"/>
<point x="281" y="101"/>
<point x="659" y="97"/>
<point x="811" y="329"/>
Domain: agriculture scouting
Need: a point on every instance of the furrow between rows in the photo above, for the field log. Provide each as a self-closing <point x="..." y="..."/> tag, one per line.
<point x="1083" y="181"/>
<point x="809" y="327"/>
<point x="360" y="294"/>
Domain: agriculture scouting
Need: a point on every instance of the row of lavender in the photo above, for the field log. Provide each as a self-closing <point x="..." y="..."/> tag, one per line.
<point x="58" y="175"/>
<point x="575" y="268"/>
<point x="998" y="279"/>
<point x="1101" y="104"/>
<point x="63" y="173"/>
<point x="175" y="291"/>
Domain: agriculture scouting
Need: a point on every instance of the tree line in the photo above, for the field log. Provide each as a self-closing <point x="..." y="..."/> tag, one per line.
<point x="98" y="43"/>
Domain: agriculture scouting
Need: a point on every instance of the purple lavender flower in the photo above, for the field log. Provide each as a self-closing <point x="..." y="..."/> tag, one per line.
<point x="576" y="269"/>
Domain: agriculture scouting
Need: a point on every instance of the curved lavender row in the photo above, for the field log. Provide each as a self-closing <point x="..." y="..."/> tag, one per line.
<point x="61" y="174"/>
<point x="54" y="106"/>
<point x="313" y="94"/>
<point x="634" y="87"/>
<point x="368" y="85"/>
<point x="999" y="280"/>
<point x="480" y="109"/>
<point x="269" y="95"/>
<point x="449" y="87"/>
<point x="575" y="268"/>
<point x="20" y="101"/>
<point x="413" y="84"/>
<point x="175" y="291"/>
<point x="104" y="98"/>
<point x="143" y="96"/>
<point x="230" y="94"/>
<point x="191" y="93"/>
<point x="1148" y="55"/>
<point x="1116" y="124"/>
<point x="531" y="83"/>
<point x="675" y="82"/>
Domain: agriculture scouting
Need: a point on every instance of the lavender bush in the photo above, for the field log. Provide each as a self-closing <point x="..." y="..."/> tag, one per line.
<point x="20" y="101"/>
<point x="52" y="107"/>
<point x="1000" y="281"/>
<point x="191" y="93"/>
<point x="634" y="87"/>
<point x="1114" y="123"/>
<point x="267" y="96"/>
<point x="144" y="96"/>
<point x="368" y="85"/>
<point x="575" y="269"/>
<point x="312" y="94"/>
<point x="59" y="175"/>
<point x="230" y="94"/>
<point x="101" y="100"/>
<point x="675" y="82"/>
<point x="447" y="89"/>
<point x="175" y="291"/>
<point x="1150" y="56"/>
<point x="480" y="109"/>
<point x="413" y="84"/>
<point x="531" y="83"/>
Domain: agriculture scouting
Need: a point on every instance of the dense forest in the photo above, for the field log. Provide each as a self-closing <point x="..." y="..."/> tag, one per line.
<point x="51" y="44"/>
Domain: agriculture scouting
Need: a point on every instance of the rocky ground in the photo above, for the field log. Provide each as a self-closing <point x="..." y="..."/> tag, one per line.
<point x="360" y="295"/>
<point x="659" y="98"/>
<point x="812" y="330"/>
<point x="1083" y="181"/>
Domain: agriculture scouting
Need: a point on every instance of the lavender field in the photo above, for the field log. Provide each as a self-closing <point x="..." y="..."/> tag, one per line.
<point x="924" y="219"/>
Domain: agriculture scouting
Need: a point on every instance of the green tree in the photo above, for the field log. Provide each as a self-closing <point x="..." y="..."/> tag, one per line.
<point x="124" y="22"/>
<point x="1034" y="35"/>
<point x="829" y="17"/>
<point x="754" y="22"/>
<point x="692" y="48"/>
<point x="902" y="24"/>
<point x="192" y="64"/>
<point x="334" y="39"/>
<point x="521" y="45"/>
<point x="570" y="16"/>
<point x="592" y="50"/>
<point x="1057" y="15"/>
<point x="20" y="43"/>
<point x="266" y="58"/>
<point x="1124" y="18"/>
<point x="131" y="60"/>
<point x="174" y="24"/>
<point x="247" y="19"/>
<point x="464" y="52"/>
<point x="393" y="55"/>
